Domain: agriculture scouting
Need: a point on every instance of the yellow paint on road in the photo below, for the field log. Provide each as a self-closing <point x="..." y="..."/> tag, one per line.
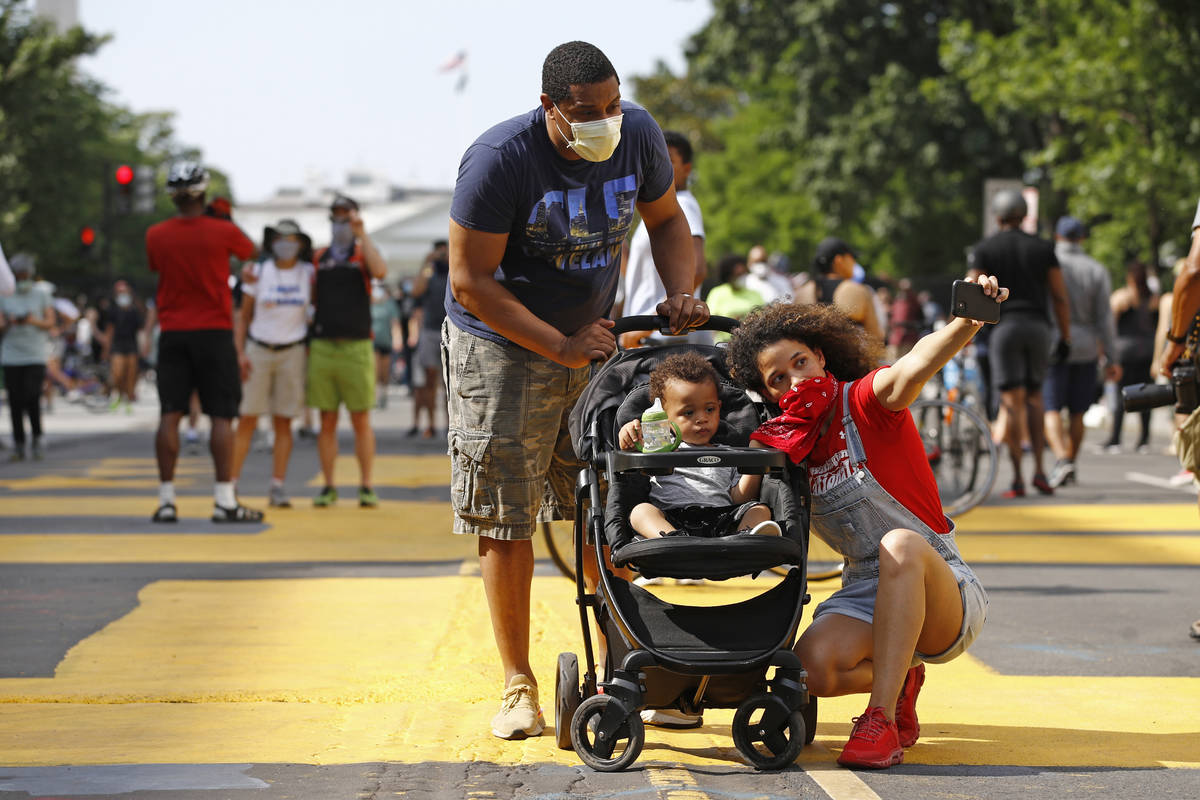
<point x="1081" y="518"/>
<point x="402" y="670"/>
<point x="392" y="470"/>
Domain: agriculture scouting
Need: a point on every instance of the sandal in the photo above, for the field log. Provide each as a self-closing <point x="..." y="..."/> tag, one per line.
<point x="1041" y="484"/>
<point x="166" y="513"/>
<point x="238" y="513"/>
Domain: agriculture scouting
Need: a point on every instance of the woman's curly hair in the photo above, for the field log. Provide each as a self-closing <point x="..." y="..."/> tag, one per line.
<point x="687" y="367"/>
<point x="849" y="352"/>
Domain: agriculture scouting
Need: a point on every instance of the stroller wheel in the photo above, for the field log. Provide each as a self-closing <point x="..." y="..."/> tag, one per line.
<point x="809" y="713"/>
<point x="767" y="733"/>
<point x="607" y="736"/>
<point x="567" y="698"/>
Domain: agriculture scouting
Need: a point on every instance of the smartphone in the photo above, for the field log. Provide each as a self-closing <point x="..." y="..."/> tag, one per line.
<point x="968" y="300"/>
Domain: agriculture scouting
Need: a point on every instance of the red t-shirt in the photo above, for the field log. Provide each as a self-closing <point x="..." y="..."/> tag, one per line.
<point x="191" y="257"/>
<point x="895" y="454"/>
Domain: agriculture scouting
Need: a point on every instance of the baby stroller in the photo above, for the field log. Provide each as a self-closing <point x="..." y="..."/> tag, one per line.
<point x="662" y="655"/>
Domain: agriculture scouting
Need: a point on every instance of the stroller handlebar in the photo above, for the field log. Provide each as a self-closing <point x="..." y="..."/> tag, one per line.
<point x="662" y="325"/>
<point x="748" y="460"/>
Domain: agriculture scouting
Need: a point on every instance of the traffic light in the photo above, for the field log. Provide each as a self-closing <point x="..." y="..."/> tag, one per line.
<point x="87" y="238"/>
<point x="143" y="189"/>
<point x="124" y="199"/>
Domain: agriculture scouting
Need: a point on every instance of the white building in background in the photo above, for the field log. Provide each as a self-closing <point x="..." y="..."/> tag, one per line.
<point x="403" y="223"/>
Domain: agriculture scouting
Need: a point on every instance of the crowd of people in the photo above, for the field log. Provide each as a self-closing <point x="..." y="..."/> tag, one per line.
<point x="292" y="362"/>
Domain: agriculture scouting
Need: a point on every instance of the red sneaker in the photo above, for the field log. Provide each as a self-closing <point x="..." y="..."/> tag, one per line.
<point x="874" y="742"/>
<point x="906" y="707"/>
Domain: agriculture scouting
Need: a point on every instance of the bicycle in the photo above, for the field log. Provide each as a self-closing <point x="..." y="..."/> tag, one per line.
<point x="961" y="453"/>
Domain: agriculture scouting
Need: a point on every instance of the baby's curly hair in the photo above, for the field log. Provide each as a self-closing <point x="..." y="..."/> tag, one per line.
<point x="849" y="352"/>
<point x="686" y="367"/>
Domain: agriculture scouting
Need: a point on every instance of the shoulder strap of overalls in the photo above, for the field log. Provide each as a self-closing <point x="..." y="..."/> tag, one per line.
<point x="853" y="442"/>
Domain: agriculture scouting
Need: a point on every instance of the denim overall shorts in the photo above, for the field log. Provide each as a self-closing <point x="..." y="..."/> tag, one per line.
<point x="853" y="516"/>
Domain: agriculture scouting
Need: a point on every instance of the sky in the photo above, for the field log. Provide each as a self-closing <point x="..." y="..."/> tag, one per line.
<point x="273" y="90"/>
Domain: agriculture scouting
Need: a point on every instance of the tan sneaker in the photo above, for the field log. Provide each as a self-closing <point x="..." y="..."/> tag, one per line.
<point x="520" y="715"/>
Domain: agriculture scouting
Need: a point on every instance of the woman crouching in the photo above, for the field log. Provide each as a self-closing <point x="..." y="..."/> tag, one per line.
<point x="907" y="597"/>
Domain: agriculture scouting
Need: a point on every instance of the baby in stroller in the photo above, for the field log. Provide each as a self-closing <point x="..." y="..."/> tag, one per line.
<point x="695" y="501"/>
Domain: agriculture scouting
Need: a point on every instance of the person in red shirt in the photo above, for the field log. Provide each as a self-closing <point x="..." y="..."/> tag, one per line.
<point x="190" y="252"/>
<point x="907" y="596"/>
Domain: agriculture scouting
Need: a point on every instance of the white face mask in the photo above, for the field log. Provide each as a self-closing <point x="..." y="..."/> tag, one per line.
<point x="124" y="300"/>
<point x="594" y="141"/>
<point x="759" y="269"/>
<point x="739" y="282"/>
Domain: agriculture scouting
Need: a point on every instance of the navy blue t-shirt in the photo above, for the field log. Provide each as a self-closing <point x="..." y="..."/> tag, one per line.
<point x="565" y="219"/>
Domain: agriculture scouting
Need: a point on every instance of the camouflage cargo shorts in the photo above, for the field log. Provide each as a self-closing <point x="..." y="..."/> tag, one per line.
<point x="512" y="464"/>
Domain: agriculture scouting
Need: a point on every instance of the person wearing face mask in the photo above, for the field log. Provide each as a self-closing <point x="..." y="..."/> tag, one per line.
<point x="834" y="284"/>
<point x="765" y="280"/>
<point x="341" y="360"/>
<point x="732" y="297"/>
<point x="269" y="333"/>
<point x="121" y="349"/>
<point x="541" y="208"/>
<point x="194" y="309"/>
<point x="27" y="316"/>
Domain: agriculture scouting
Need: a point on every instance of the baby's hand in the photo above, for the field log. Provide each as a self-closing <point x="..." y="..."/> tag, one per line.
<point x="630" y="435"/>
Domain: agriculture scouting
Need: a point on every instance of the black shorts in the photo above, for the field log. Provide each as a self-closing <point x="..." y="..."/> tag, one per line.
<point x="1020" y="352"/>
<point x="1070" y="386"/>
<point x="202" y="361"/>
<point x="708" y="521"/>
<point x="124" y="347"/>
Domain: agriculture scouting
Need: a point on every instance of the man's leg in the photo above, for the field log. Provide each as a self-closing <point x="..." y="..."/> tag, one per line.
<point x="246" y="425"/>
<point x="1012" y="403"/>
<point x="507" y="570"/>
<point x="364" y="445"/>
<point x="327" y="446"/>
<point x="1075" y="433"/>
<point x="166" y="445"/>
<point x="282" y="451"/>
<point x="1056" y="437"/>
<point x="1037" y="432"/>
<point x="221" y="447"/>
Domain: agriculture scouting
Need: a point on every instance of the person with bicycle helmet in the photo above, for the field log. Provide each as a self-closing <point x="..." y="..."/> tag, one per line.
<point x="194" y="307"/>
<point x="907" y="596"/>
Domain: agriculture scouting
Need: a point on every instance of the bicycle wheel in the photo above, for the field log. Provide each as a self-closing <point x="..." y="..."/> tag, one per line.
<point x="961" y="453"/>
<point x="559" y="538"/>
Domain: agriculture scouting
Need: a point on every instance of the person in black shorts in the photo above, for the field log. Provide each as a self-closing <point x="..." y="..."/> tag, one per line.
<point x="190" y="252"/>
<point x="125" y="320"/>
<point x="1019" y="346"/>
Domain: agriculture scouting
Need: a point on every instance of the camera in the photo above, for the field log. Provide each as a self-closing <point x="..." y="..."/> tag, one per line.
<point x="1183" y="390"/>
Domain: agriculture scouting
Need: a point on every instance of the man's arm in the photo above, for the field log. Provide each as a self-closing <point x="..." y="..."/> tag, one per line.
<point x="899" y="385"/>
<point x="374" y="260"/>
<point x="474" y="258"/>
<point x="1185" y="304"/>
<point x="675" y="259"/>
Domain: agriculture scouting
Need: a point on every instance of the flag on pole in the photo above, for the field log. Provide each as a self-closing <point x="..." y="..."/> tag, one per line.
<point x="456" y="61"/>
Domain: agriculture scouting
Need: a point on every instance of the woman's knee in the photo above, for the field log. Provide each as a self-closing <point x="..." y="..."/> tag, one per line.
<point x="820" y="666"/>
<point x="901" y="550"/>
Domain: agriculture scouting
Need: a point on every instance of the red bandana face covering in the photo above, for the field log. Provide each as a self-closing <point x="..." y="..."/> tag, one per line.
<point x="796" y="430"/>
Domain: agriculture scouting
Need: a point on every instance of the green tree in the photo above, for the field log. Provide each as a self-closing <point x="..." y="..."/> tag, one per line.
<point x="1112" y="87"/>
<point x="60" y="142"/>
<point x="846" y="122"/>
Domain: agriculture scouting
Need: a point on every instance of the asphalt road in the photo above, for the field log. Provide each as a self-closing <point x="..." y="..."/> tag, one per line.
<point x="346" y="653"/>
